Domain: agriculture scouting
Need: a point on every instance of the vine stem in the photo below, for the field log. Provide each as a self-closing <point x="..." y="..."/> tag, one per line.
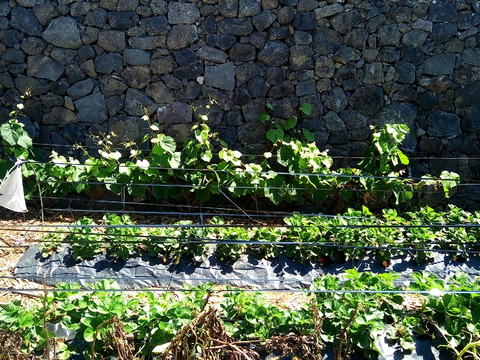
<point x="47" y="334"/>
<point x="93" y="356"/>
<point x="465" y="350"/>
<point x="338" y="355"/>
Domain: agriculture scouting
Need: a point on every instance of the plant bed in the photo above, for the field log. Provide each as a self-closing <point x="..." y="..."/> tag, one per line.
<point x="282" y="272"/>
<point x="287" y="256"/>
<point x="358" y="315"/>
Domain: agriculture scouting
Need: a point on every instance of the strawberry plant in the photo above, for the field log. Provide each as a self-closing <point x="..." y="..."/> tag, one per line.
<point x="52" y="242"/>
<point x="122" y="236"/>
<point x="350" y="312"/>
<point x="248" y="316"/>
<point x="232" y="243"/>
<point x="302" y="229"/>
<point x="84" y="240"/>
<point x="186" y="240"/>
<point x="158" y="243"/>
<point x="419" y="235"/>
<point x="26" y="321"/>
<point x="454" y="315"/>
<point x="264" y="240"/>
<point x="354" y="320"/>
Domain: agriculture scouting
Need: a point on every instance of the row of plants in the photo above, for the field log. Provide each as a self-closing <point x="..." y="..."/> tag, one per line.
<point x="348" y="314"/>
<point x="309" y="239"/>
<point x="293" y="171"/>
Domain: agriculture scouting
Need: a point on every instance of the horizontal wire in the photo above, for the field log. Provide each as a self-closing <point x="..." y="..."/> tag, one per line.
<point x="346" y="246"/>
<point x="247" y="171"/>
<point x="159" y="213"/>
<point x="273" y="155"/>
<point x="13" y="227"/>
<point x="163" y="205"/>
<point x="191" y="186"/>
<point x="306" y="291"/>
<point x="395" y="246"/>
<point x="141" y="278"/>
<point x="400" y="246"/>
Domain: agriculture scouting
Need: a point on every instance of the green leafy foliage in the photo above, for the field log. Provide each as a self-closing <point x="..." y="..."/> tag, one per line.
<point x="248" y="316"/>
<point x="302" y="172"/>
<point x="232" y="242"/>
<point x="122" y="235"/>
<point x="350" y="311"/>
<point x="14" y="135"/>
<point x="84" y="240"/>
<point x="309" y="239"/>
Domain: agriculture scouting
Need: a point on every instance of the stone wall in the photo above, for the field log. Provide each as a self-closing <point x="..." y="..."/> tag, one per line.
<point x="91" y="67"/>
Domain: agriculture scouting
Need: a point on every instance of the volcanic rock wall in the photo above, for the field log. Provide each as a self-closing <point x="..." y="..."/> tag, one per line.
<point x="92" y="67"/>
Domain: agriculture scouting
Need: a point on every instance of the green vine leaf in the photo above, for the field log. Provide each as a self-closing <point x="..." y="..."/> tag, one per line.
<point x="308" y="135"/>
<point x="264" y="118"/>
<point x="290" y="123"/>
<point x="449" y="181"/>
<point x="273" y="136"/>
<point x="307" y="109"/>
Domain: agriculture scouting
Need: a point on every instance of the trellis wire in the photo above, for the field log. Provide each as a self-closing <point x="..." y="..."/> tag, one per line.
<point x="411" y="158"/>
<point x="306" y="291"/>
<point x="327" y="175"/>
<point x="202" y="214"/>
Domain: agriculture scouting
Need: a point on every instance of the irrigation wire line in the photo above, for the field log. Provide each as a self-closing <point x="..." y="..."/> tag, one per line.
<point x="262" y="156"/>
<point x="392" y="247"/>
<point x="347" y="246"/>
<point x="13" y="227"/>
<point x="159" y="213"/>
<point x="195" y="187"/>
<point x="144" y="278"/>
<point x="272" y="215"/>
<point x="307" y="291"/>
<point x="163" y="205"/>
<point x="252" y="172"/>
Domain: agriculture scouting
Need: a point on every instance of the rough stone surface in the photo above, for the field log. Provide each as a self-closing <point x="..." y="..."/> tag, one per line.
<point x="175" y="113"/>
<point x="45" y="68"/>
<point x="92" y="108"/>
<point x="221" y="76"/>
<point x="181" y="36"/>
<point x="24" y="19"/>
<point x="440" y="64"/>
<point x="137" y="103"/>
<point x="63" y="32"/>
<point x="112" y="40"/>
<point x="368" y="100"/>
<point x="443" y="124"/>
<point x="275" y="53"/>
<point x="182" y="13"/>
<point x="326" y="41"/>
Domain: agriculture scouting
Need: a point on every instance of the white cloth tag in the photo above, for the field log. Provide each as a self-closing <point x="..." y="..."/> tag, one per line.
<point x="12" y="196"/>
